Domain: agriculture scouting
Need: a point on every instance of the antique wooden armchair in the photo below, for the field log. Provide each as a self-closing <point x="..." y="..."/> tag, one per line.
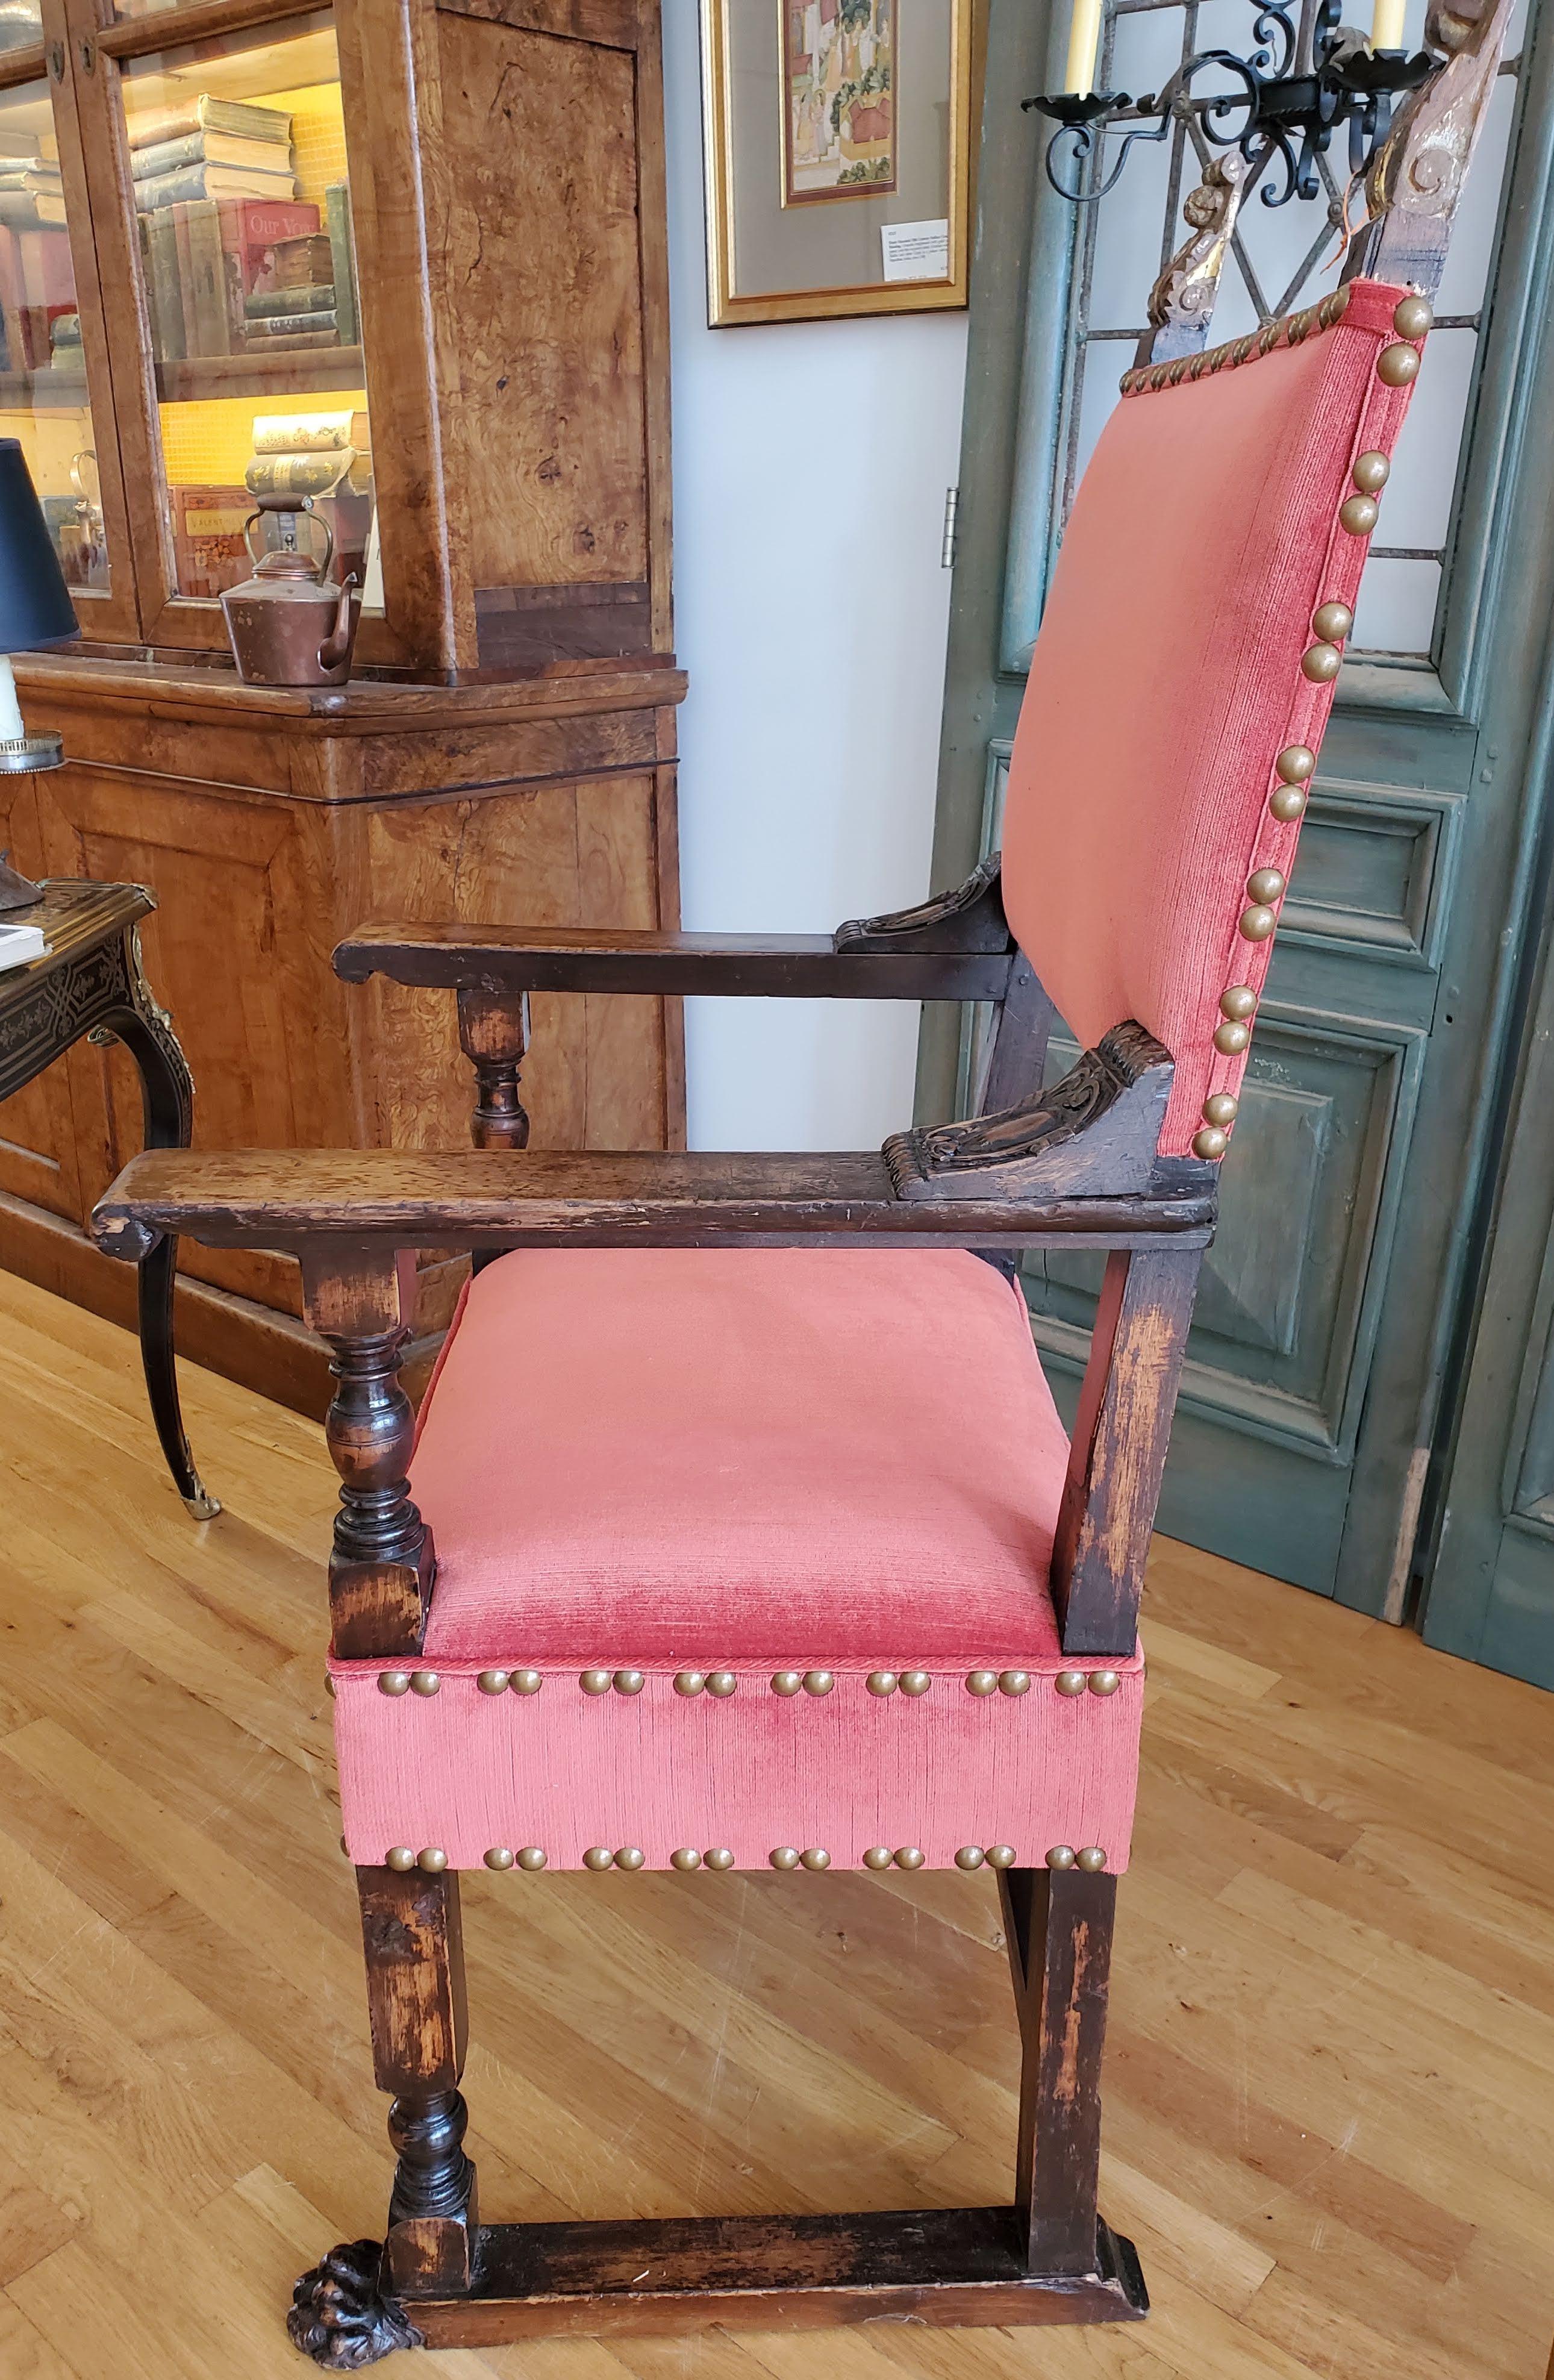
<point x="758" y="1539"/>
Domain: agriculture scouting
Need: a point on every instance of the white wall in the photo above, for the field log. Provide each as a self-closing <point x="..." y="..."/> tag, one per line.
<point x="810" y="465"/>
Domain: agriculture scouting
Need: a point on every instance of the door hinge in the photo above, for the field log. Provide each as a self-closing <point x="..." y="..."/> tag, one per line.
<point x="951" y="529"/>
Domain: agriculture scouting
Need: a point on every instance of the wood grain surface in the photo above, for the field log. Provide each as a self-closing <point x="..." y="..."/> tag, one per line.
<point x="1330" y="2107"/>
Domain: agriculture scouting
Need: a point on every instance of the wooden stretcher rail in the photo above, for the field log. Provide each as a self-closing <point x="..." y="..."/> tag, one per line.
<point x="286" y="1199"/>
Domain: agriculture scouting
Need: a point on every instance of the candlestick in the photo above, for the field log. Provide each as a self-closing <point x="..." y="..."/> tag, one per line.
<point x="1386" y="25"/>
<point x="11" y="729"/>
<point x="1084" y="41"/>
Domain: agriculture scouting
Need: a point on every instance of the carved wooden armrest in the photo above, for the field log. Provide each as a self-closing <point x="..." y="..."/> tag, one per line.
<point x="388" y="1198"/>
<point x="970" y="918"/>
<point x="499" y="962"/>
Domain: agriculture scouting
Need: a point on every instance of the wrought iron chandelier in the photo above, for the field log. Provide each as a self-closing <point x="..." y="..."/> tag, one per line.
<point x="1297" y="88"/>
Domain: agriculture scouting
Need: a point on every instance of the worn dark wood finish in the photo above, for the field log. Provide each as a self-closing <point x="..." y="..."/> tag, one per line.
<point x="360" y="1301"/>
<point x="1415" y="182"/>
<point x="593" y="1197"/>
<point x="494" y="1032"/>
<point x="90" y="983"/>
<point x="1017" y="1057"/>
<point x="412" y="1933"/>
<point x="1060" y="1925"/>
<point x="968" y="917"/>
<point x="1116" y="1451"/>
<point x="762" y="2272"/>
<point x="1096" y="1131"/>
<point x="763" y="967"/>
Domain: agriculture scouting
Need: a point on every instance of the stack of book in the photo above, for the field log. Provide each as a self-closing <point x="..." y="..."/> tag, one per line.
<point x="32" y="194"/>
<point x="310" y="455"/>
<point x="208" y="148"/>
<point x="306" y="296"/>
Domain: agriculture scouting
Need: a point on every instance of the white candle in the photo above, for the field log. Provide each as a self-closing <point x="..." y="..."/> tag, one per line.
<point x="11" y="729"/>
<point x="1386" y="25"/>
<point x="1084" y="41"/>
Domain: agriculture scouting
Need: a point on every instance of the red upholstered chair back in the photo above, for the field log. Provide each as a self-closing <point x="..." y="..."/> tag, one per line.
<point x="1176" y="664"/>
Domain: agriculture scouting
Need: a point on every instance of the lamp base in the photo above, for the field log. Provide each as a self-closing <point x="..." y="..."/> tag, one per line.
<point x="24" y="756"/>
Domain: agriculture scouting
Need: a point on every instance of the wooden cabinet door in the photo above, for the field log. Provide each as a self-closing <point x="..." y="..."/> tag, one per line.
<point x="1315" y="1391"/>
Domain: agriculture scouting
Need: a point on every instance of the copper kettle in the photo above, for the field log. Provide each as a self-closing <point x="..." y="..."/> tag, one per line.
<point x="291" y="623"/>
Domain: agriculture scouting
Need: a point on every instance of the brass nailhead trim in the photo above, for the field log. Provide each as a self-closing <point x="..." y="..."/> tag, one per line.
<point x="1412" y="316"/>
<point x="882" y="1681"/>
<point x="690" y="1681"/>
<point x="393" y="1681"/>
<point x="1238" y="1000"/>
<point x="1257" y="923"/>
<point x="1287" y="803"/>
<point x="329" y="1685"/>
<point x="785" y="1857"/>
<point x="1001" y="1855"/>
<point x="788" y="1682"/>
<point x="1070" y="1682"/>
<point x="1322" y="663"/>
<point x="498" y="1858"/>
<point x="722" y="1684"/>
<point x="425" y="1682"/>
<point x="492" y="1682"/>
<point x="432" y="1860"/>
<point x="628" y="1681"/>
<point x="1295" y="763"/>
<point x="1396" y="366"/>
<point x="982" y="1682"/>
<point x="596" y="1681"/>
<point x="628" y="1858"/>
<point x="719" y="1861"/>
<point x="598" y="1858"/>
<point x="1231" y="1040"/>
<point x="1104" y="1681"/>
<point x="818" y="1682"/>
<point x="1220" y="1107"/>
<point x="1371" y="472"/>
<point x="877" y="1858"/>
<point x="915" y="1682"/>
<point x="685" y="1860"/>
<point x="401" y="1859"/>
<point x="1060" y="1856"/>
<point x="1013" y="1681"/>
<point x="969" y="1858"/>
<point x="815" y="1859"/>
<point x="1092" y="1860"/>
<point x="531" y="1859"/>
<point x="909" y="1857"/>
<point x="1265" y="884"/>
<point x="1358" y="515"/>
<point x="1210" y="1143"/>
<point x="526" y="1681"/>
<point x="1331" y="622"/>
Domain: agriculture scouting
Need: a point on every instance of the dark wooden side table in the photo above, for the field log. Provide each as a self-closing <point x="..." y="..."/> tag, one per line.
<point x="90" y="981"/>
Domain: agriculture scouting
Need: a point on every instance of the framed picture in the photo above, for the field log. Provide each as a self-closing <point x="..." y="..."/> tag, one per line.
<point x="837" y="136"/>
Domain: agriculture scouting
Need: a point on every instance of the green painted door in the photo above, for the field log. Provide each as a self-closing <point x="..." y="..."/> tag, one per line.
<point x="1315" y="1402"/>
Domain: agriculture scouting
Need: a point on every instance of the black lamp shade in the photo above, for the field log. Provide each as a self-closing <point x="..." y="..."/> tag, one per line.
<point x="35" y="607"/>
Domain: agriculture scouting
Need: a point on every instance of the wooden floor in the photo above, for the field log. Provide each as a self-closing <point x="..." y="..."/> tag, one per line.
<point x="1331" y="2115"/>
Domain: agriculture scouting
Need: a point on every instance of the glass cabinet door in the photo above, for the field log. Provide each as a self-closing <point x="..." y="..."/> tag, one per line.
<point x="243" y="251"/>
<point x="54" y="392"/>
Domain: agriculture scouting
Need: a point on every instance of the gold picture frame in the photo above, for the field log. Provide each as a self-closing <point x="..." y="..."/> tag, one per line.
<point x="875" y="107"/>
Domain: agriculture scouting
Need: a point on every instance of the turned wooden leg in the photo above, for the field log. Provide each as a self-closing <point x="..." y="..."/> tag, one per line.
<point x="494" y="1034"/>
<point x="1059" y="1926"/>
<point x="415" y="1990"/>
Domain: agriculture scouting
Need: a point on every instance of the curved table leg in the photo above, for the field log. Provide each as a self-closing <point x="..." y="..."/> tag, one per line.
<point x="167" y="1094"/>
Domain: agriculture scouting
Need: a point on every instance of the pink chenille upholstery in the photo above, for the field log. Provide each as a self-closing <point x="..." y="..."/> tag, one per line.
<point x="754" y="1461"/>
<point x="1167" y="677"/>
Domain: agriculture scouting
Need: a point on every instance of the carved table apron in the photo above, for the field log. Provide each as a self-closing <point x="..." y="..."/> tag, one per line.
<point x="90" y="981"/>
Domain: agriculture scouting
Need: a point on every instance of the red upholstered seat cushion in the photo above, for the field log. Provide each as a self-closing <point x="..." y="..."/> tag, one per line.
<point x="750" y="1460"/>
<point x="1167" y="678"/>
<point x="791" y="1456"/>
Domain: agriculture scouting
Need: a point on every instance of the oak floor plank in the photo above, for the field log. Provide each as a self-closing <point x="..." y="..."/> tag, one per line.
<point x="1330" y="2102"/>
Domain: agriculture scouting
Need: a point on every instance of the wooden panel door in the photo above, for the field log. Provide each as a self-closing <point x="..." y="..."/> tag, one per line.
<point x="1314" y="1394"/>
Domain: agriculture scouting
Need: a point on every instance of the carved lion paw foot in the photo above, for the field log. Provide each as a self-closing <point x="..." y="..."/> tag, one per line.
<point x="339" y="2315"/>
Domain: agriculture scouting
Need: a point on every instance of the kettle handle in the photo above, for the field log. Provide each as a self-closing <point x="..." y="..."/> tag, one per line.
<point x="294" y="504"/>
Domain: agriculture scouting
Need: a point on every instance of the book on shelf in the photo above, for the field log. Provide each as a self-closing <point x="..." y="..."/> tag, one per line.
<point x="31" y="210"/>
<point x="334" y="431"/>
<point x="342" y="247"/>
<point x="251" y="228"/>
<point x="261" y="304"/>
<point x="247" y="118"/>
<point x="66" y="345"/>
<point x="37" y="285"/>
<point x="210" y="149"/>
<point x="306" y="262"/>
<point x="212" y="297"/>
<point x="208" y="541"/>
<point x="297" y="475"/>
<point x="34" y="179"/>
<point x="268" y="330"/>
<point x="213" y="182"/>
<point x="159" y="248"/>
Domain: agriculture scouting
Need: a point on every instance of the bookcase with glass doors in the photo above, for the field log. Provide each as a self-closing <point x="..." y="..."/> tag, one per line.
<point x="404" y="261"/>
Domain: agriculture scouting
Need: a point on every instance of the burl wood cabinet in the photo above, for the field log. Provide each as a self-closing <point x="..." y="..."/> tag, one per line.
<point x="407" y="261"/>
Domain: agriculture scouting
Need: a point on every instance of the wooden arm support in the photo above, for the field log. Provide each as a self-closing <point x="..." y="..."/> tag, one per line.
<point x="388" y="1198"/>
<point x="956" y="947"/>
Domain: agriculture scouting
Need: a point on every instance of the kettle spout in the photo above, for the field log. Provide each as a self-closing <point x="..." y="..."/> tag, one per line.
<point x="336" y="646"/>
